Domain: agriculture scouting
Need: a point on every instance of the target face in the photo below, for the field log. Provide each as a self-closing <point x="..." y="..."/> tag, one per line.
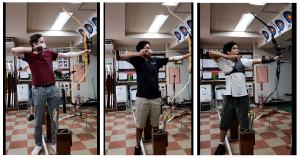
<point x="288" y="16"/>
<point x="183" y="30"/>
<point x="95" y="22"/>
<point x="280" y="24"/>
<point x="266" y="35"/>
<point x="272" y="30"/>
<point x="89" y="28"/>
<point x="177" y="34"/>
<point x="81" y="32"/>
<point x="189" y="22"/>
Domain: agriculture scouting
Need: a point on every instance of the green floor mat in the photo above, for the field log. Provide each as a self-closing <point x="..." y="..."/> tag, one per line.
<point x="284" y="106"/>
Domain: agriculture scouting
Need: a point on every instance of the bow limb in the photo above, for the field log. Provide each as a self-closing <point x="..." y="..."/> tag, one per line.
<point x="188" y="39"/>
<point x="278" y="60"/>
<point x="190" y="51"/>
<point x="85" y="47"/>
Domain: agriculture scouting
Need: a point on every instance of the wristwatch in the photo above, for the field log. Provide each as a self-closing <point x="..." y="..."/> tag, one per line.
<point x="236" y="56"/>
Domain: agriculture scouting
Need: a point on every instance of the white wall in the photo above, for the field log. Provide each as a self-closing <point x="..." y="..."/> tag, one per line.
<point x="184" y="75"/>
<point x="86" y="88"/>
<point x="285" y="77"/>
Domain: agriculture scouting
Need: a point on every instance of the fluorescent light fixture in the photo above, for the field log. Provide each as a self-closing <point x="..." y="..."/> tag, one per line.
<point x="244" y="22"/>
<point x="171" y="3"/>
<point x="158" y="21"/>
<point x="257" y="3"/>
<point x="60" y="21"/>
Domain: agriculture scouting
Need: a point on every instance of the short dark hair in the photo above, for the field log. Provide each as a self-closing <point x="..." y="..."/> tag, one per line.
<point x="141" y="45"/>
<point x="228" y="46"/>
<point x="34" y="39"/>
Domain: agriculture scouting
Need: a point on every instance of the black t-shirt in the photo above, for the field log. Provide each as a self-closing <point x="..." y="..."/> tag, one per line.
<point x="147" y="75"/>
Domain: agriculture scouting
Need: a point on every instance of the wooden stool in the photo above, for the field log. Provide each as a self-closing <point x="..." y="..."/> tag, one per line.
<point x="160" y="142"/>
<point x="63" y="141"/>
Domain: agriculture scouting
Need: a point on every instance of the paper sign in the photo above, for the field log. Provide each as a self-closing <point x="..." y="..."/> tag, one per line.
<point x="55" y="65"/>
<point x="174" y="71"/>
<point x="207" y="75"/>
<point x="205" y="92"/>
<point x="248" y="74"/>
<point x="262" y="73"/>
<point x="161" y="75"/>
<point x="122" y="76"/>
<point x="221" y="75"/>
<point x="24" y="74"/>
<point x="134" y="76"/>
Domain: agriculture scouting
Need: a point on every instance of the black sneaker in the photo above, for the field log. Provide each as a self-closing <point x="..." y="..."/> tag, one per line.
<point x="220" y="150"/>
<point x="31" y="117"/>
<point x="137" y="150"/>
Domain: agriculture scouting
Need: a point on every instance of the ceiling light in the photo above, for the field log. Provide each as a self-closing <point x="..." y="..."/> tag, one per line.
<point x="60" y="21"/>
<point x="158" y="21"/>
<point x="257" y="3"/>
<point x="171" y="3"/>
<point x="244" y="22"/>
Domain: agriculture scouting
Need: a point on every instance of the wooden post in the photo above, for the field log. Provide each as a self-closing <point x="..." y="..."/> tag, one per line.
<point x="63" y="141"/>
<point x="234" y="131"/>
<point x="246" y="143"/>
<point x="147" y="131"/>
<point x="48" y="128"/>
<point x="160" y="142"/>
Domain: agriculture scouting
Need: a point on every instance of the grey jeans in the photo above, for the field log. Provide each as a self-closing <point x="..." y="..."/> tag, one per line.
<point x="40" y="95"/>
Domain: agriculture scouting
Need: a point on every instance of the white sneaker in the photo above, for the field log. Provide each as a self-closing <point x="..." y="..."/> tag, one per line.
<point x="54" y="148"/>
<point x="36" y="150"/>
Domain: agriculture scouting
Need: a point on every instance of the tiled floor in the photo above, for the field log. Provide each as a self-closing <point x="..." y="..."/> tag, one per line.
<point x="20" y="133"/>
<point x="270" y="143"/>
<point x="120" y="134"/>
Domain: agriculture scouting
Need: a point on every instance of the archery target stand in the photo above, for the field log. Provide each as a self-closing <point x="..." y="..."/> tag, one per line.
<point x="268" y="128"/>
<point x="85" y="129"/>
<point x="180" y="130"/>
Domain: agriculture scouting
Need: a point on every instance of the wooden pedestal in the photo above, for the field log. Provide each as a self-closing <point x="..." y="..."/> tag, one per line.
<point x="159" y="142"/>
<point x="48" y="128"/>
<point x="234" y="131"/>
<point x="63" y="141"/>
<point x="246" y="143"/>
<point x="147" y="132"/>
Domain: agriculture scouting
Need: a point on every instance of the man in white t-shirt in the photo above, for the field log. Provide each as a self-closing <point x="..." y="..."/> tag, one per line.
<point x="236" y="100"/>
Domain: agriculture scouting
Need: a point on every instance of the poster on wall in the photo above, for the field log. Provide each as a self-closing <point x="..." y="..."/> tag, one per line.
<point x="162" y="88"/>
<point x="249" y="87"/>
<point x="66" y="87"/>
<point x="174" y="71"/>
<point x="63" y="63"/>
<point x="262" y="73"/>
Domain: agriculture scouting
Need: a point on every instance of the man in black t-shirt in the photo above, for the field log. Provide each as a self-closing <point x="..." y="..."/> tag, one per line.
<point x="147" y="96"/>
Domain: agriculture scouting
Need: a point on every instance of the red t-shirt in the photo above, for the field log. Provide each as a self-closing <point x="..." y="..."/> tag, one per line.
<point x="41" y="70"/>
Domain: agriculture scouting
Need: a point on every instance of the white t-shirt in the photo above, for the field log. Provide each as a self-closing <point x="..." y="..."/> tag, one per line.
<point x="235" y="82"/>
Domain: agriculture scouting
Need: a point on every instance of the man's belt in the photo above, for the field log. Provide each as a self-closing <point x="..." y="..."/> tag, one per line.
<point x="47" y="85"/>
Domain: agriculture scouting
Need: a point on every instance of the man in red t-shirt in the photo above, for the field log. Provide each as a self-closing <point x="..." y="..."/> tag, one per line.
<point x="44" y="89"/>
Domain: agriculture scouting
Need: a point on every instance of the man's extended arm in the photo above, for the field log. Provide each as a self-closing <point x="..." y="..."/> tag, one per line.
<point x="258" y="61"/>
<point x="175" y="58"/>
<point x="72" y="54"/>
